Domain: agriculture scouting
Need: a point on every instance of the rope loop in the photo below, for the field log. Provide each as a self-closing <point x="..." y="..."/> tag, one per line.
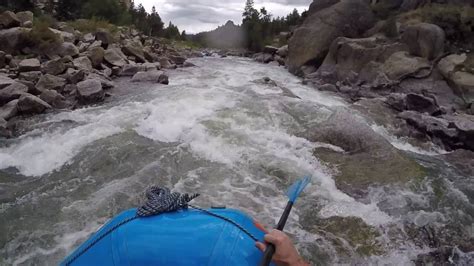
<point x="161" y="200"/>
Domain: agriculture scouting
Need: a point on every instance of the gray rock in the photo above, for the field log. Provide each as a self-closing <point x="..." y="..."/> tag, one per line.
<point x="50" y="82"/>
<point x="448" y="64"/>
<point x="188" y="64"/>
<point x="65" y="36"/>
<point x="5" y="81"/>
<point x="263" y="58"/>
<point x="27" y="65"/>
<point x="9" y="110"/>
<point x="74" y="76"/>
<point x="131" y="70"/>
<point x="397" y="101"/>
<point x="152" y="66"/>
<point x="12" y="92"/>
<point x="90" y="91"/>
<point x="134" y="49"/>
<point x="4" y="131"/>
<point x="88" y="38"/>
<point x="8" y="20"/>
<point x="28" y="24"/>
<point x="311" y="41"/>
<point x="270" y="49"/>
<point x="32" y="76"/>
<point x="3" y="60"/>
<point x="425" y="40"/>
<point x="106" y="82"/>
<point x="179" y="60"/>
<point x="24" y="17"/>
<point x="165" y="63"/>
<point x="104" y="37"/>
<point x="12" y="40"/>
<point x="30" y="104"/>
<point x="283" y="51"/>
<point x="400" y="65"/>
<point x="421" y="104"/>
<point x="83" y="63"/>
<point x="54" y="67"/>
<point x="96" y="55"/>
<point x="68" y="49"/>
<point x="328" y="87"/>
<point x="114" y="57"/>
<point x="53" y="98"/>
<point x="151" y="76"/>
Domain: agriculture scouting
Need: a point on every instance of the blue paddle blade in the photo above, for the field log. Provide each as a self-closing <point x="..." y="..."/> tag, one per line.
<point x="295" y="190"/>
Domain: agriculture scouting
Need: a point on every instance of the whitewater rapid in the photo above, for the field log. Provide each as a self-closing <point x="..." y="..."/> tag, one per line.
<point x="215" y="130"/>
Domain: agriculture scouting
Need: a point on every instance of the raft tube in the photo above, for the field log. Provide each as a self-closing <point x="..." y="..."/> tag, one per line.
<point x="185" y="237"/>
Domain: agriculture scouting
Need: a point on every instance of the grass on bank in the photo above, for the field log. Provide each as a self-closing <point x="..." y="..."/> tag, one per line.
<point x="92" y="25"/>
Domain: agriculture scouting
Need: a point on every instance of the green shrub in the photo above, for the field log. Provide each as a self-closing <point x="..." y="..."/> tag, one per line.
<point x="456" y="20"/>
<point x="41" y="36"/>
<point x="92" y="25"/>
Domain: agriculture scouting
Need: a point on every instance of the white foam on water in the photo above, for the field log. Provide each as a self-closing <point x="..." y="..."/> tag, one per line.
<point x="401" y="144"/>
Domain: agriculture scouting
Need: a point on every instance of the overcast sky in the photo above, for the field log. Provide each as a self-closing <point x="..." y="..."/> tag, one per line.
<point x="202" y="15"/>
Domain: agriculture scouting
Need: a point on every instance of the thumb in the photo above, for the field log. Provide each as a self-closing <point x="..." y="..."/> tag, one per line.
<point x="261" y="246"/>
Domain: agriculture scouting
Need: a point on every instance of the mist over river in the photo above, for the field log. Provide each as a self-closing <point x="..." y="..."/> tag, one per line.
<point x="220" y="130"/>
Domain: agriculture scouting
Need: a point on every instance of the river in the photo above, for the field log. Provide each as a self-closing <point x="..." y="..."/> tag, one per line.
<point x="216" y="131"/>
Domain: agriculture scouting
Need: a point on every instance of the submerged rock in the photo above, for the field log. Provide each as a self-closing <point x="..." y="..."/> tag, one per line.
<point x="356" y="170"/>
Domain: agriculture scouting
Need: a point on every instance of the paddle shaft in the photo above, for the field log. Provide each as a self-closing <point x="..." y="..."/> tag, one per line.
<point x="267" y="256"/>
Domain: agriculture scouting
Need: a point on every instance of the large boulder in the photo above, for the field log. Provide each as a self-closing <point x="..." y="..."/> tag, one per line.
<point x="177" y="59"/>
<point x="27" y="65"/>
<point x="151" y="76"/>
<point x="13" y="40"/>
<point x="310" y="42"/>
<point x="83" y="63"/>
<point x="283" y="51"/>
<point x="9" y="110"/>
<point x="134" y="49"/>
<point x="54" y="67"/>
<point x="425" y="40"/>
<point x="68" y="49"/>
<point x="25" y="16"/>
<point x="74" y="76"/>
<point x="50" y="82"/>
<point x="165" y="63"/>
<point x="96" y="55"/>
<point x="400" y="65"/>
<point x="8" y="20"/>
<point x="458" y="70"/>
<point x="30" y="104"/>
<point x="90" y="91"/>
<point x="106" y="82"/>
<point x="115" y="57"/>
<point x="12" y="92"/>
<point x="53" y="98"/>
<point x="360" y="148"/>
<point x="104" y="37"/>
<point x="31" y="76"/>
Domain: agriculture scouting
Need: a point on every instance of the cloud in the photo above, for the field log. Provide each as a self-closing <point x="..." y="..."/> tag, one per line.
<point x="202" y="15"/>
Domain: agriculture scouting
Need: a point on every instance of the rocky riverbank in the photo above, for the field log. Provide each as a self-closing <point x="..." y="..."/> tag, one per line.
<point x="50" y="67"/>
<point x="421" y="71"/>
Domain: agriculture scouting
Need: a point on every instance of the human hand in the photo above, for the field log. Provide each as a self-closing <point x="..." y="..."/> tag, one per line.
<point x="285" y="252"/>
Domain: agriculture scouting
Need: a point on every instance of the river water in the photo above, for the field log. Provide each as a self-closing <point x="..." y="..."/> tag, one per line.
<point x="216" y="131"/>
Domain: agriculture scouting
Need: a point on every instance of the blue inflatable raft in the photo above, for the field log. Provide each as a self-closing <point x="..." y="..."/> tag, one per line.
<point x="185" y="237"/>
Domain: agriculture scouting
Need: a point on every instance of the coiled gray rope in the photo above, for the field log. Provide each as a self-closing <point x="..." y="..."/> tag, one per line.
<point x="159" y="200"/>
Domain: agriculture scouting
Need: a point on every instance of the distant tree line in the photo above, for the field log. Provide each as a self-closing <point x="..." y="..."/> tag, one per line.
<point x="113" y="11"/>
<point x="260" y="28"/>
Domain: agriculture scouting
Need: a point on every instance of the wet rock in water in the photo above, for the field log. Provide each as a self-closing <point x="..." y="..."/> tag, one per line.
<point x="50" y="82"/>
<point x="151" y="66"/>
<point x="462" y="160"/>
<point x="283" y="51"/>
<point x="68" y="49"/>
<point x="54" y="67"/>
<point x="83" y="63"/>
<point x="362" y="146"/>
<point x="5" y="81"/>
<point x="12" y="92"/>
<point x="345" y="234"/>
<point x="188" y="64"/>
<point x="397" y="101"/>
<point x="90" y="91"/>
<point x="424" y="40"/>
<point x="96" y="56"/>
<point x="328" y="87"/>
<point x="115" y="57"/>
<point x="30" y="104"/>
<point x="270" y="49"/>
<point x="106" y="82"/>
<point x="179" y="60"/>
<point x="311" y="41"/>
<point x="53" y="98"/>
<point x="8" y="20"/>
<point x="9" y="110"/>
<point x="400" y="65"/>
<point x="131" y="70"/>
<point x="151" y="76"/>
<point x="165" y="63"/>
<point x="263" y="58"/>
<point x="421" y="104"/>
<point x="27" y="65"/>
